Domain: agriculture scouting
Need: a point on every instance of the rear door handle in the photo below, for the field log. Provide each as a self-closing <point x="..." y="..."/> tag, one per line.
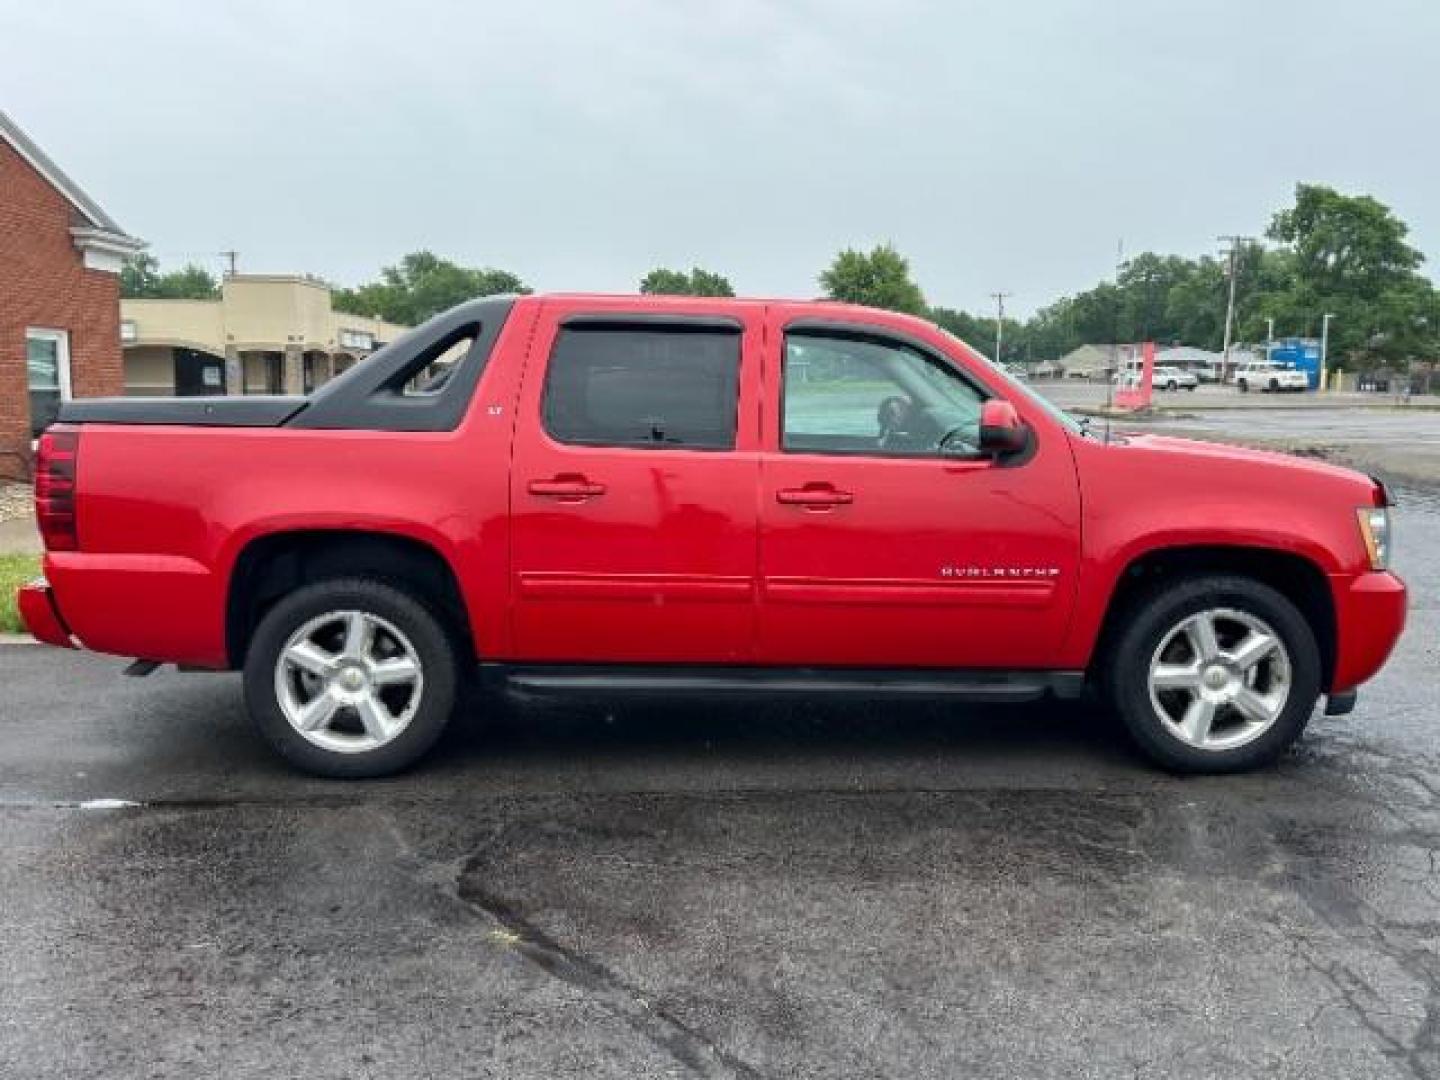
<point x="567" y="487"/>
<point x="814" y="495"/>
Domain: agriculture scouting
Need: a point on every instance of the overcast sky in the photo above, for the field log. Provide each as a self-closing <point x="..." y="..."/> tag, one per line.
<point x="1005" y="145"/>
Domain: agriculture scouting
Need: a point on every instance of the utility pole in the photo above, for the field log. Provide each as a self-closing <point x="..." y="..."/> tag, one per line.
<point x="999" y="321"/>
<point x="1234" y="253"/>
<point x="232" y="256"/>
<point x="1325" y="350"/>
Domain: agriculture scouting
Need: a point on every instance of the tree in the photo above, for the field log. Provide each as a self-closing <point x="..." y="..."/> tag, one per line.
<point x="978" y="332"/>
<point x="972" y="330"/>
<point x="664" y="282"/>
<point x="1195" y="305"/>
<point x="139" y="275"/>
<point x="190" y="282"/>
<point x="422" y="285"/>
<point x="1345" y="243"/>
<point x="1348" y="257"/>
<point x="140" y="279"/>
<point x="879" y="278"/>
<point x="1147" y="286"/>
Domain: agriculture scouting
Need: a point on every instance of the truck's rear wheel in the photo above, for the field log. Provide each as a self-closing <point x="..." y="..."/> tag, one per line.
<point x="1215" y="674"/>
<point x="350" y="678"/>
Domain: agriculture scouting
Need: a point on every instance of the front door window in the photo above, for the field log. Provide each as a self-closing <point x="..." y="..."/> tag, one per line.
<point x="47" y="366"/>
<point x="851" y="394"/>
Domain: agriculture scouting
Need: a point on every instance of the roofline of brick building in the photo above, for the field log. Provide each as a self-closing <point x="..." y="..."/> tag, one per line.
<point x="103" y="229"/>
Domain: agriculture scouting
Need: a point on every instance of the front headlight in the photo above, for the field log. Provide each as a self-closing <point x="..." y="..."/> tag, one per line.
<point x="1375" y="531"/>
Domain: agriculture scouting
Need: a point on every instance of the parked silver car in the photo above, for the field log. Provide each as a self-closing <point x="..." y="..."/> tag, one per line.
<point x="1174" y="378"/>
<point x="1165" y="378"/>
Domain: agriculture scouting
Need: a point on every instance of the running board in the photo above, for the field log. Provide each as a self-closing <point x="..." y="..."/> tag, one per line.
<point x="626" y="679"/>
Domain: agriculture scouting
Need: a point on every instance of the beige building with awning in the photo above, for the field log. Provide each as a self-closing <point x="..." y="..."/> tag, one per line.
<point x="267" y="334"/>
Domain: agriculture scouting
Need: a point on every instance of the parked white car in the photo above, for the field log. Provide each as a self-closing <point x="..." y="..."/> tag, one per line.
<point x="1174" y="378"/>
<point x="1165" y="378"/>
<point x="1269" y="378"/>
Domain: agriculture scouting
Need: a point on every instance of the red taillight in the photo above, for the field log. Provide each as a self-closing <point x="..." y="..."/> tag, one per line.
<point x="55" y="462"/>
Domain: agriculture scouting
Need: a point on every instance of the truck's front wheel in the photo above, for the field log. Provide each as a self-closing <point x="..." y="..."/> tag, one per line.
<point x="1215" y="674"/>
<point x="350" y="678"/>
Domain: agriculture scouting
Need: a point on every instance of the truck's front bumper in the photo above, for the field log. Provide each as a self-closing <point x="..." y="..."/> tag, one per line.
<point x="40" y="615"/>
<point x="1369" y="617"/>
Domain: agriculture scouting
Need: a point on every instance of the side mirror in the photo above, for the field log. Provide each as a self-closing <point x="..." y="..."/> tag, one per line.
<point x="1002" y="432"/>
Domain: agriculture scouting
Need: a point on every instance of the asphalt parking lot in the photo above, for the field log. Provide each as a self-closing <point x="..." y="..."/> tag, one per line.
<point x="1084" y="393"/>
<point x="1367" y="431"/>
<point x="692" y="890"/>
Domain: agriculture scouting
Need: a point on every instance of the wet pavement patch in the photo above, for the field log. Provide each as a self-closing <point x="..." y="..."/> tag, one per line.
<point x="695" y="890"/>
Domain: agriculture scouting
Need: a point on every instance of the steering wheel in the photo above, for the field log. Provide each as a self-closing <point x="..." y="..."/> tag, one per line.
<point x="954" y="435"/>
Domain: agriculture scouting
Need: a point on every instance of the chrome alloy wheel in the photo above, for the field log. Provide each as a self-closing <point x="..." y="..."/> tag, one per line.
<point x="1220" y="679"/>
<point x="349" y="681"/>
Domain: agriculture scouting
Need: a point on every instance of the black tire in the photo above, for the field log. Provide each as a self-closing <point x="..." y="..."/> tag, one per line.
<point x="434" y="647"/>
<point x="1126" y="670"/>
<point x="1274" y="386"/>
<point x="1172" y="385"/>
<point x="1193" y="387"/>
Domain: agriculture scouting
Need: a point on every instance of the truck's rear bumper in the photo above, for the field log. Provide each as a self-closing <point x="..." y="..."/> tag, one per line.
<point x="1369" y="617"/>
<point x="40" y="615"/>
<point x="159" y="607"/>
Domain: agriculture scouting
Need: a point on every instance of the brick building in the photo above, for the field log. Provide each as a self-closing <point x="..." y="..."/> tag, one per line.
<point x="60" y="258"/>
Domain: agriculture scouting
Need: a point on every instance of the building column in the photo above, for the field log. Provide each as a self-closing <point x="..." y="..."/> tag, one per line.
<point x="294" y="370"/>
<point x="234" y="371"/>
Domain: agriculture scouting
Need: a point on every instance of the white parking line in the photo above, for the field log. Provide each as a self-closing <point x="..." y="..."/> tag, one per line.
<point x="67" y="804"/>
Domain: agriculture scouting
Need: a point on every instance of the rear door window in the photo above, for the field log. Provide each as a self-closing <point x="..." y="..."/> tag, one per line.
<point x="651" y="387"/>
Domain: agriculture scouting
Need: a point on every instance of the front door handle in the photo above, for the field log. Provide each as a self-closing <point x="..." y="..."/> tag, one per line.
<point x="566" y="487"/>
<point x="814" y="496"/>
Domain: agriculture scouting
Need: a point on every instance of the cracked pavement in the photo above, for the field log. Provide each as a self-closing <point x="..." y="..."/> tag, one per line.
<point x="697" y="890"/>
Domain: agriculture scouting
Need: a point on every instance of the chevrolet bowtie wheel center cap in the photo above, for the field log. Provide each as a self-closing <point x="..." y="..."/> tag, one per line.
<point x="352" y="679"/>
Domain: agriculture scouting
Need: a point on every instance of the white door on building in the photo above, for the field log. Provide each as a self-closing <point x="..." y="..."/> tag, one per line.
<point x="47" y="364"/>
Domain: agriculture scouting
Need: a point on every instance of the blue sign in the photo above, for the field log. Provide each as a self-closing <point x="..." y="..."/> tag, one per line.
<point x="1302" y="353"/>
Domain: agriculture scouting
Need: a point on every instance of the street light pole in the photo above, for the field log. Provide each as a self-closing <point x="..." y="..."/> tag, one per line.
<point x="1325" y="350"/>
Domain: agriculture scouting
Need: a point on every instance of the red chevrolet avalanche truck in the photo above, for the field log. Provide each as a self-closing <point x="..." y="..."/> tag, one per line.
<point x="687" y="496"/>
